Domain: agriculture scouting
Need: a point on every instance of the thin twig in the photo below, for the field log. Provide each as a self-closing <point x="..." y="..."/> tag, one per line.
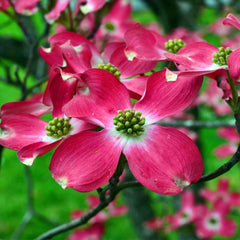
<point x="198" y="124"/>
<point x="80" y="221"/>
<point x="224" y="168"/>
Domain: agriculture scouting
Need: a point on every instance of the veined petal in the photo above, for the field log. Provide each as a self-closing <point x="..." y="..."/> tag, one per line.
<point x="106" y="95"/>
<point x="19" y="130"/>
<point x="144" y="44"/>
<point x="233" y="63"/>
<point x="232" y="21"/>
<point x="162" y="98"/>
<point x="126" y="67"/>
<point x="29" y="153"/>
<point x="31" y="107"/>
<point x="86" y="161"/>
<point x="165" y="161"/>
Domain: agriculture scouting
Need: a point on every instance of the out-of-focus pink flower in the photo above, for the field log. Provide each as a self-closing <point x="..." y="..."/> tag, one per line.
<point x="233" y="42"/>
<point x="232" y="20"/>
<point x="186" y="214"/>
<point x="93" y="232"/>
<point x="232" y="136"/>
<point x="222" y="193"/>
<point x="157" y="156"/>
<point x="214" y="221"/>
<point x="89" y="6"/>
<point x="4" y="4"/>
<point x="116" y="22"/>
<point x="155" y="223"/>
<point x="219" y="28"/>
<point x="213" y="96"/>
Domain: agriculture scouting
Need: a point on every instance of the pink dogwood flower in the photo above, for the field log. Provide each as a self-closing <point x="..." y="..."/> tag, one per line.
<point x="186" y="214"/>
<point x="222" y="193"/>
<point x="214" y="221"/>
<point x="157" y="156"/>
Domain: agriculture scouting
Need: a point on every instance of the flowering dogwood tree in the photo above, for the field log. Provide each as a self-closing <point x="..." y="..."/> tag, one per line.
<point x="115" y="107"/>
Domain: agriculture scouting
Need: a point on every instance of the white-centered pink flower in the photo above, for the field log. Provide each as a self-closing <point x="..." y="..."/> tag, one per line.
<point x="186" y="214"/>
<point x="223" y="193"/>
<point x="161" y="158"/>
<point x="214" y="221"/>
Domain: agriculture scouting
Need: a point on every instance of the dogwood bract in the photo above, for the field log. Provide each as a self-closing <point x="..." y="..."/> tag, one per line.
<point x="161" y="158"/>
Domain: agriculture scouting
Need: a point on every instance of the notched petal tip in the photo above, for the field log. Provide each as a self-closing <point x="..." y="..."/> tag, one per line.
<point x="181" y="182"/>
<point x="28" y="161"/>
<point x="63" y="181"/>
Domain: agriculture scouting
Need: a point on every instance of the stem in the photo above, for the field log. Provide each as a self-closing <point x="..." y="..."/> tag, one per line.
<point x="198" y="124"/>
<point x="233" y="89"/>
<point x="80" y="221"/>
<point x="224" y="168"/>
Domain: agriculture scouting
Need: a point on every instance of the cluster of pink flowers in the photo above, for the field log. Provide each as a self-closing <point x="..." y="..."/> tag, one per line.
<point x="106" y="96"/>
<point x="97" y="225"/>
<point x="209" y="219"/>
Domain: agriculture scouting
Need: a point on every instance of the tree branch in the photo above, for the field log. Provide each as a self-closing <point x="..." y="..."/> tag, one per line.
<point x="224" y="168"/>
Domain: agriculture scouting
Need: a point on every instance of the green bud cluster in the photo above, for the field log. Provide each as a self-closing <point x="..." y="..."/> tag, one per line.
<point x="109" y="26"/>
<point x="58" y="127"/>
<point x="221" y="57"/>
<point x="111" y="68"/>
<point x="173" y="46"/>
<point x="129" y="122"/>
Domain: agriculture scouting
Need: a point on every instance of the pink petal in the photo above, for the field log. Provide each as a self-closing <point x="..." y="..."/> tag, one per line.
<point x="162" y="162"/>
<point x="26" y="7"/>
<point x="223" y="185"/>
<point x="105" y="96"/>
<point x="126" y="67"/>
<point x="232" y="21"/>
<point x="89" y="5"/>
<point x="163" y="98"/>
<point x="61" y="92"/>
<point x="225" y="151"/>
<point x="233" y="63"/>
<point x="228" y="228"/>
<point x="29" y="153"/>
<point x="235" y="199"/>
<point x="144" y="44"/>
<point x="136" y="86"/>
<point x="32" y="107"/>
<point x="187" y="198"/>
<point x="194" y="56"/>
<point x="86" y="161"/>
<point x="208" y="194"/>
<point x="19" y="130"/>
<point x="54" y="14"/>
<point x="229" y="133"/>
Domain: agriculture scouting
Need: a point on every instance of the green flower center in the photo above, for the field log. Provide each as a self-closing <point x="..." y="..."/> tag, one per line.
<point x="173" y="46"/>
<point x="221" y="57"/>
<point x="213" y="221"/>
<point x="109" y="26"/>
<point x="58" y="127"/>
<point x="129" y="122"/>
<point x="111" y="68"/>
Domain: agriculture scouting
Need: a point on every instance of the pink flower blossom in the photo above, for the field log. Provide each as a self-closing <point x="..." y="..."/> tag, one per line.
<point x="214" y="221"/>
<point x="186" y="214"/>
<point x="222" y="193"/>
<point x="157" y="156"/>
